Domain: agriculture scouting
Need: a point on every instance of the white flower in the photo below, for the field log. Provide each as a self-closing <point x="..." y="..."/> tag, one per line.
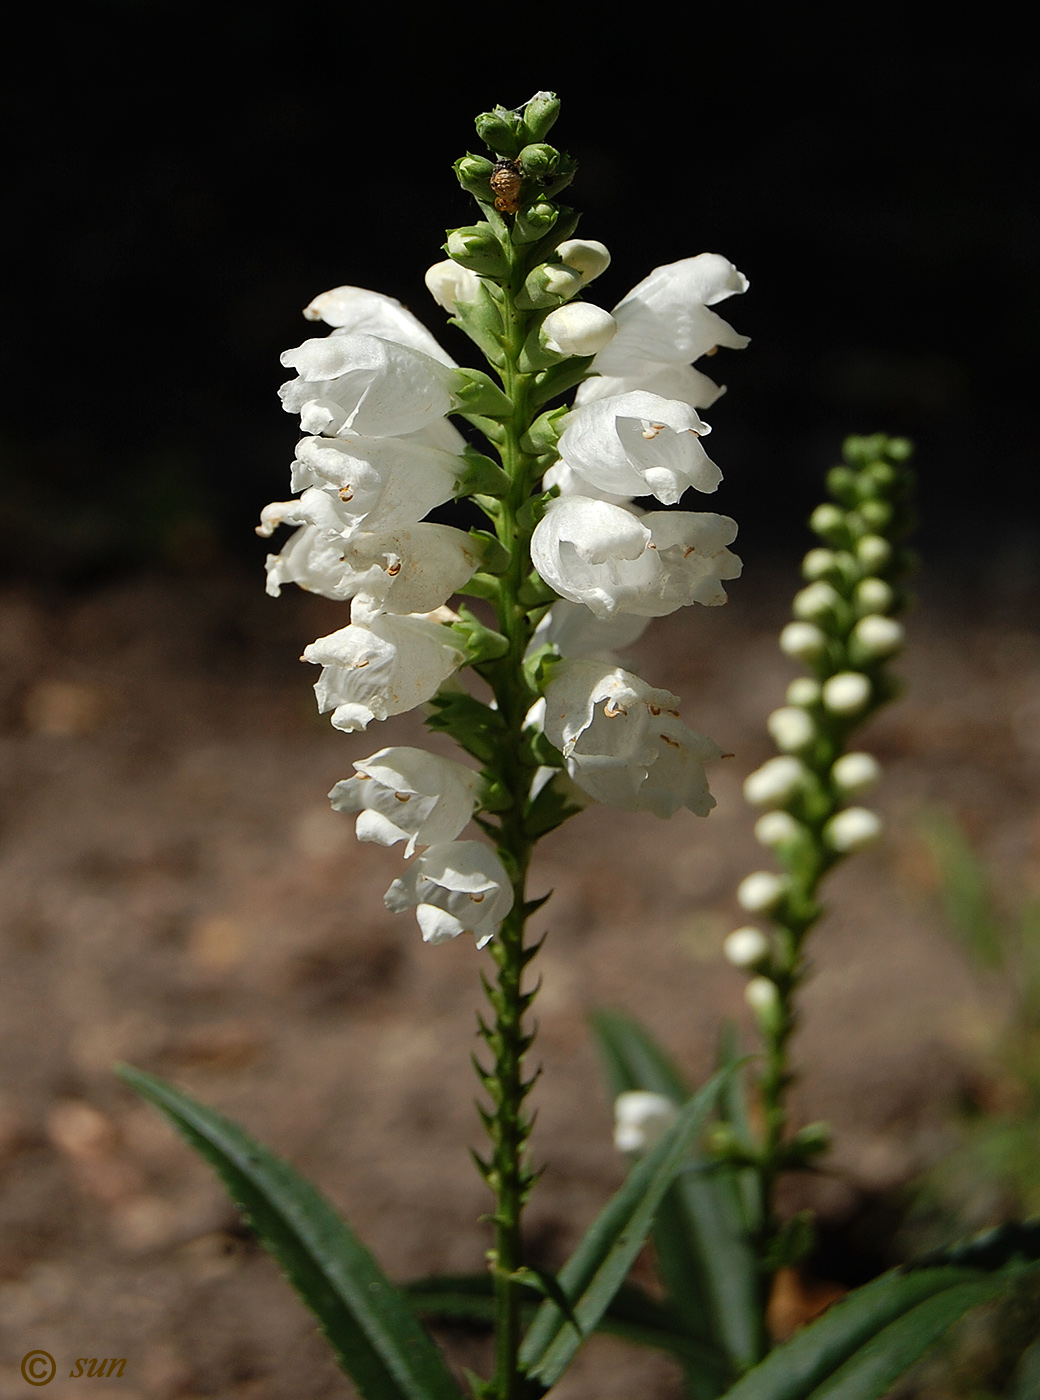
<point x="745" y="947"/>
<point x="353" y="309"/>
<point x="663" y="324"/>
<point x="846" y="693"/>
<point x="454" y="887"/>
<point x="611" y="560"/>
<point x="623" y="741"/>
<point x="448" y="282"/>
<point x="760" y="891"/>
<point x="776" y="782"/>
<point x="791" y="728"/>
<point x="573" y="630"/>
<point x="381" y="664"/>
<point x="570" y="483"/>
<point x="381" y="482"/>
<point x="855" y="772"/>
<point x="852" y="830"/>
<point x="577" y="329"/>
<point x="639" y="444"/>
<point x="878" y="636"/>
<point x="803" y="639"/>
<point x="586" y="255"/>
<point x="365" y="385"/>
<point x="406" y="794"/>
<point x="641" y="1119"/>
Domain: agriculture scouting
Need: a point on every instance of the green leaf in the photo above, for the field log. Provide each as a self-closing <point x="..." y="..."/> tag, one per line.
<point x="476" y="727"/>
<point x="1025" y="1384"/>
<point x="862" y="1327"/>
<point x="632" y="1059"/>
<point x="597" y="1268"/>
<point x="371" y="1327"/>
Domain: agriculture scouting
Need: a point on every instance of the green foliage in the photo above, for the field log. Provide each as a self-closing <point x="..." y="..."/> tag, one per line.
<point x="369" y="1324"/>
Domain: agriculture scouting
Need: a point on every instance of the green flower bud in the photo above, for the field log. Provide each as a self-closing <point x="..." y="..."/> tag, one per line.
<point x="502" y="131"/>
<point x="476" y="247"/>
<point x="473" y="174"/>
<point x="538" y="161"/>
<point x="534" y="220"/>
<point x="829" y="523"/>
<point x="877" y="514"/>
<point x="873" y="551"/>
<point x="549" y="284"/>
<point x="842" y="483"/>
<point x="540" y="114"/>
<point x="878" y="479"/>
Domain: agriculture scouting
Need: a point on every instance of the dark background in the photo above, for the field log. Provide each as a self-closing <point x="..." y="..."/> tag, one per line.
<point x="185" y="178"/>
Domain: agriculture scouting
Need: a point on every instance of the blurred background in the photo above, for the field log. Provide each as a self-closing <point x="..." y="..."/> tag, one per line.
<point x="182" y="180"/>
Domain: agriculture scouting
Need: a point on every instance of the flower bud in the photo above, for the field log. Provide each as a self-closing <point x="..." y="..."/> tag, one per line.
<point x="817" y="601"/>
<point x="775" y="783"/>
<point x="855" y="772"/>
<point x="852" y="830"/>
<point x="540" y="114"/>
<point x="760" y="891"/>
<point x="846" y="693"/>
<point x="818" y="563"/>
<point x="877" y="514"/>
<point x="803" y="640"/>
<point x="477" y="248"/>
<point x="745" y="947"/>
<point x="577" y="329"/>
<point x="534" y="220"/>
<point x="828" y="521"/>
<point x="776" y="829"/>
<point x="873" y="551"/>
<point x="874" y="595"/>
<point x="877" y="636"/>
<point x="538" y="160"/>
<point x="500" y="130"/>
<point x="474" y="175"/>
<point x="585" y="255"/>
<point x="803" y="691"/>
<point x="449" y="283"/>
<point x="548" y="284"/>
<point x="641" y="1118"/>
<point x="762" y="996"/>
<point x="791" y="728"/>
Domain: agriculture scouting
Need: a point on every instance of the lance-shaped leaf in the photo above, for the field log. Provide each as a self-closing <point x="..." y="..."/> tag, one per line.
<point x="597" y="1268"/>
<point x="376" y="1336"/>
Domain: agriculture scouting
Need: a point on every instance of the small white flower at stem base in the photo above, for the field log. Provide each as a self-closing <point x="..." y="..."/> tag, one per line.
<point x="803" y="640"/>
<point x="641" y="1119"/>
<point x="856" y="772"/>
<point x="449" y="283"/>
<point x="577" y="329"/>
<point x="454" y="887"/>
<point x="761" y="891"/>
<point x="745" y="947"/>
<point x="846" y="693"/>
<point x="407" y="794"/>
<point x="776" y="782"/>
<point x="639" y="444"/>
<point x="852" y="830"/>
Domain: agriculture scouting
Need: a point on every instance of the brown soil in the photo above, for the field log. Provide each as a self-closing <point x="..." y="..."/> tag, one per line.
<point x="178" y="894"/>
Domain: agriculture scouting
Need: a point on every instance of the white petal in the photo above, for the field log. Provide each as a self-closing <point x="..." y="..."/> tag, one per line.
<point x="356" y="309"/>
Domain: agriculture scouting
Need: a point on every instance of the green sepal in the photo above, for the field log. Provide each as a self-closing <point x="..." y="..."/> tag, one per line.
<point x="538" y="667"/>
<point x="544" y="433"/>
<point x="370" y="1325"/>
<point x="481" y="476"/>
<point x="528" y="517"/>
<point x="539" y="161"/>
<point x="480" y="585"/>
<point x="566" y="169"/>
<point x="544" y="751"/>
<point x="559" y="379"/>
<point x="482" y="643"/>
<point x="482" y="322"/>
<point x="534" y="220"/>
<point x="552" y="807"/>
<point x="493" y="795"/>
<point x="562" y="229"/>
<point x="534" y="591"/>
<point x="476" y="392"/>
<point x="495" y="558"/>
<point x="476" y="247"/>
<point x="474" y="726"/>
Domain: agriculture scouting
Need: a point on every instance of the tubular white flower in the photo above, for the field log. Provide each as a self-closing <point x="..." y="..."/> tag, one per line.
<point x="641" y="1119"/>
<point x="803" y="640"/>
<point x="448" y="282"/>
<point x="571" y="484"/>
<point x="852" y="830"/>
<point x="663" y="324"/>
<point x="856" y="772"/>
<point x="623" y="741"/>
<point x="846" y="693"/>
<point x="365" y="385"/>
<point x="381" y="664"/>
<point x="639" y="444"/>
<point x="586" y="255"/>
<point x="745" y="947"/>
<point x="383" y="482"/>
<point x="576" y="633"/>
<point x="760" y="891"/>
<point x="614" y="561"/>
<point x="454" y="887"/>
<point x="776" y="782"/>
<point x="355" y="309"/>
<point x="577" y="329"/>
<point x="406" y="794"/>
<point x="791" y="728"/>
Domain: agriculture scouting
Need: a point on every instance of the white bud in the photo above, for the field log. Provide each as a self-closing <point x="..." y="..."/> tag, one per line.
<point x="803" y="691"/>
<point x="641" y="1118"/>
<point x="792" y="728"/>
<point x="775" y="783"/>
<point x="873" y="551"/>
<point x="760" y="891"/>
<point x="816" y="601"/>
<point x="585" y="255"/>
<point x="745" y="946"/>
<point x="856" y="772"/>
<point x="560" y="281"/>
<point x="803" y="640"/>
<point x="450" y="283"/>
<point x="874" y="595"/>
<point x="852" y="829"/>
<point x="818" y="563"/>
<point x="578" y="329"/>
<point x="878" y="636"/>
<point x="761" y="994"/>
<point x="846" y="693"/>
<point x="774" y="828"/>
